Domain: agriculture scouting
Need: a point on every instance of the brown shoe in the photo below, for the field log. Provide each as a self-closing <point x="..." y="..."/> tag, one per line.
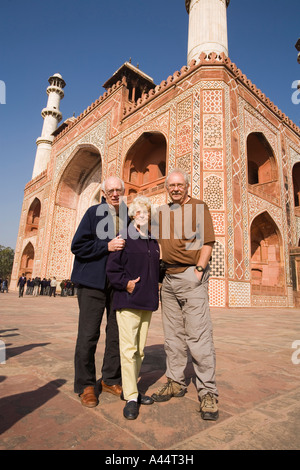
<point x="88" y="397"/>
<point x="208" y="407"/>
<point x="114" y="389"/>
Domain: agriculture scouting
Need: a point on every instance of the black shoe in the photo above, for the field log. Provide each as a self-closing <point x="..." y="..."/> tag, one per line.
<point x="145" y="400"/>
<point x="131" y="410"/>
<point x="142" y="399"/>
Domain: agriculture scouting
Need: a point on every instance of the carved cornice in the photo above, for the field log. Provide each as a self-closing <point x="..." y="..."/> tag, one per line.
<point x="188" y="2"/>
<point x="205" y="60"/>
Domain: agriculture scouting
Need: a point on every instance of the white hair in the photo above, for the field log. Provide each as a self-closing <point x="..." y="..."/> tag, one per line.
<point x="139" y="201"/>
<point x="112" y="177"/>
<point x="181" y="172"/>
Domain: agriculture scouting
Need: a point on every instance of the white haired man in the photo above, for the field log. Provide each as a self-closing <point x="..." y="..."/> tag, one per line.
<point x="91" y="245"/>
<point x="185" y="308"/>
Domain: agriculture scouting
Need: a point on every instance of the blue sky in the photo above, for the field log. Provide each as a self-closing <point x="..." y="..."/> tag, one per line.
<point x="87" y="41"/>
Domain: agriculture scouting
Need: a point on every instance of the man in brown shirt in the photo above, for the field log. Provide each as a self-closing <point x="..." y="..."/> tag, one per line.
<point x="186" y="237"/>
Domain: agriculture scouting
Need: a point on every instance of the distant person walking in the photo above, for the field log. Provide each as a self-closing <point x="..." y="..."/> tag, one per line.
<point x="53" y="285"/>
<point x="4" y="286"/>
<point x="21" y="284"/>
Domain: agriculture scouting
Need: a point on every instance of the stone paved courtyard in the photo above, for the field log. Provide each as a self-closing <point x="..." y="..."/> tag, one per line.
<point x="258" y="383"/>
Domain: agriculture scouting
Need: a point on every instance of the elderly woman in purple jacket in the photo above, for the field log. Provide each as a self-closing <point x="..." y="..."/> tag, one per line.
<point x="134" y="275"/>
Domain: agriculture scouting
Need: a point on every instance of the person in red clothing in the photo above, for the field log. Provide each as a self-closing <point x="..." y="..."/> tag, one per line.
<point x="134" y="275"/>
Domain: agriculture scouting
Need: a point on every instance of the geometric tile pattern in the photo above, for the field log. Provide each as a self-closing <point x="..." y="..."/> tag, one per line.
<point x="184" y="163"/>
<point x="213" y="133"/>
<point x="239" y="294"/>
<point x="217" y="292"/>
<point x="218" y="219"/>
<point x="217" y="263"/>
<point x="269" y="301"/>
<point x="196" y="182"/>
<point x="184" y="138"/>
<point x="212" y="160"/>
<point x="213" y="192"/>
<point x="212" y="101"/>
<point x="184" y="109"/>
<point x="62" y="235"/>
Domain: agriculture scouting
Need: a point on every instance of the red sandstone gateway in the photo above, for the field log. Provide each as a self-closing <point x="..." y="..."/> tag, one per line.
<point x="241" y="152"/>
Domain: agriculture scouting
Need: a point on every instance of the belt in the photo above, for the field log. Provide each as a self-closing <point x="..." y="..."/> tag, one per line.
<point x="167" y="266"/>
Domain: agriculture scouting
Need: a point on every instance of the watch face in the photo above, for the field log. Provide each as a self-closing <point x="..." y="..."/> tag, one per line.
<point x="199" y="268"/>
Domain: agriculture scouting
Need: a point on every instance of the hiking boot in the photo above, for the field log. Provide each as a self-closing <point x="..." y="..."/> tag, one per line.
<point x="169" y="390"/>
<point x="209" y="407"/>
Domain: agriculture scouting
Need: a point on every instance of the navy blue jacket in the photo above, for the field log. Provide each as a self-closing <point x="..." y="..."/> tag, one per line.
<point x="90" y="250"/>
<point x="21" y="281"/>
<point x="140" y="257"/>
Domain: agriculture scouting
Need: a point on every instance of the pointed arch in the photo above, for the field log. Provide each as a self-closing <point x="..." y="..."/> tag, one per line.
<point x="267" y="265"/>
<point x="79" y="182"/>
<point x="27" y="260"/>
<point x="33" y="218"/>
<point x="85" y="162"/>
<point x="262" y="167"/>
<point x="296" y="186"/>
<point x="145" y="163"/>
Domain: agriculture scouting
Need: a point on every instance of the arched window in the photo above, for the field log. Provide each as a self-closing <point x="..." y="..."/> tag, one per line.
<point x="33" y="218"/>
<point x="267" y="269"/>
<point x="145" y="164"/>
<point x="85" y="162"/>
<point x="27" y="260"/>
<point x="296" y="184"/>
<point x="262" y="167"/>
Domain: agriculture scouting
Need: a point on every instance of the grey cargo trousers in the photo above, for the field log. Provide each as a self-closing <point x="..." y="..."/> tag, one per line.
<point x="187" y="326"/>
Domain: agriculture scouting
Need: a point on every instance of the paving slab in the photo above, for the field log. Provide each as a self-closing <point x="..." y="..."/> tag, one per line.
<point x="257" y="380"/>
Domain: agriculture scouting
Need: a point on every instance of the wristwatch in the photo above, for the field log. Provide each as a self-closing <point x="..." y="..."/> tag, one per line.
<point x="200" y="269"/>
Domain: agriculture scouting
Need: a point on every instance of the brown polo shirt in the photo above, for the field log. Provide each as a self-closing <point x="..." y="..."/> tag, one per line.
<point x="182" y="232"/>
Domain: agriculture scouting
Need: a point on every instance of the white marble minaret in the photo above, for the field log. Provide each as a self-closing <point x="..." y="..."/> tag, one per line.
<point x="52" y="116"/>
<point x="207" y="27"/>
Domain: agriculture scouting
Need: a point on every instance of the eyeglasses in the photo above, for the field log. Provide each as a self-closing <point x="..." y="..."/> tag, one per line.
<point x="110" y="192"/>
<point x="179" y="186"/>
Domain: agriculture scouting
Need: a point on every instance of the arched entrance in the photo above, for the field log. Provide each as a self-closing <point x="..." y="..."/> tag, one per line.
<point x="267" y="267"/>
<point x="77" y="175"/>
<point x="33" y="218"/>
<point x="78" y="185"/>
<point x="145" y="165"/>
<point x="27" y="260"/>
<point x="262" y="167"/>
<point x="296" y="187"/>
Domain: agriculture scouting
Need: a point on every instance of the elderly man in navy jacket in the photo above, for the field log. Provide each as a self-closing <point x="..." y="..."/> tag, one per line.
<point x="94" y="239"/>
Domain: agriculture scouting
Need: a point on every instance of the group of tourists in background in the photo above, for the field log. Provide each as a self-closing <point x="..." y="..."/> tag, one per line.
<point x="37" y="286"/>
<point x="118" y="271"/>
